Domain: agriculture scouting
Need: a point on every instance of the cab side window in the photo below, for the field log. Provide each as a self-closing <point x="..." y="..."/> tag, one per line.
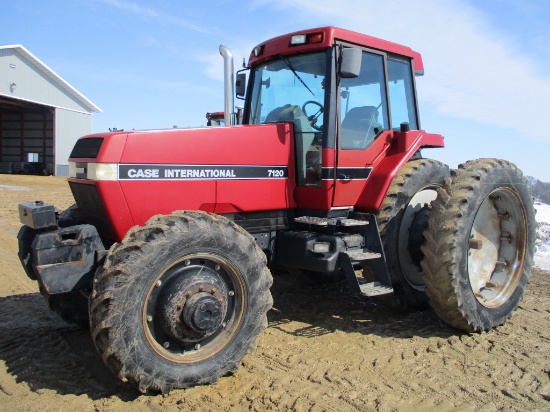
<point x="402" y="101"/>
<point x="363" y="110"/>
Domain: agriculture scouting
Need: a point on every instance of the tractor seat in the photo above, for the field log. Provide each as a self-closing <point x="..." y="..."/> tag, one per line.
<point x="360" y="127"/>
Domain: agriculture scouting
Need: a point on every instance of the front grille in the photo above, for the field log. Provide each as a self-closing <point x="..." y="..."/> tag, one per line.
<point x="88" y="200"/>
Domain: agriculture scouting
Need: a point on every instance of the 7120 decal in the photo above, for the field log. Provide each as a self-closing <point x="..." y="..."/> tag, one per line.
<point x="276" y="173"/>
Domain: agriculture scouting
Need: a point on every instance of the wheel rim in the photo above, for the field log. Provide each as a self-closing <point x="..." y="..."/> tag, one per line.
<point x="497" y="244"/>
<point x="193" y="308"/>
<point x="413" y="223"/>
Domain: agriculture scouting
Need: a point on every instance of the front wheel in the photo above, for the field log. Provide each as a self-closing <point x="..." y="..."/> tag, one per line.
<point x="480" y="244"/>
<point x="180" y="301"/>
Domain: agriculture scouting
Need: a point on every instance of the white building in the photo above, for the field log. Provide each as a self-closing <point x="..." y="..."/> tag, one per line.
<point x="41" y="115"/>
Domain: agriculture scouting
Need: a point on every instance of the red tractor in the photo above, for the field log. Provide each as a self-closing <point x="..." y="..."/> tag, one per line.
<point x="166" y="252"/>
<point x="215" y="119"/>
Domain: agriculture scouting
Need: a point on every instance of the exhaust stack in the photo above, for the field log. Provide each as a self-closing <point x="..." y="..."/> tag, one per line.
<point x="228" y="84"/>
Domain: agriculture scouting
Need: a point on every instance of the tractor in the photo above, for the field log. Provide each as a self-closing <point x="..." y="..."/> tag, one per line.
<point x="166" y="253"/>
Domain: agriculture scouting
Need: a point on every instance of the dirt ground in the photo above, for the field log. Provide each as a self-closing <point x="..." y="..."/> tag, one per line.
<point x="324" y="350"/>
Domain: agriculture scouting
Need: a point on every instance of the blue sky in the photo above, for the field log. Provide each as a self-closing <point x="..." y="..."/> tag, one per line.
<point x="156" y="64"/>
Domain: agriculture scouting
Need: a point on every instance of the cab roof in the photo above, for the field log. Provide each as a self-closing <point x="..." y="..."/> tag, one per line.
<point x="330" y="34"/>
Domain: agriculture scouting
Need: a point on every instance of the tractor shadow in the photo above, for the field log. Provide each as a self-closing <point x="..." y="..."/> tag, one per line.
<point x="46" y="353"/>
<point x="328" y="306"/>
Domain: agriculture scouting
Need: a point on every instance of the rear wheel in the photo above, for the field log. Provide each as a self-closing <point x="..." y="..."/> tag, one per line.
<point x="402" y="220"/>
<point x="180" y="301"/>
<point x="480" y="245"/>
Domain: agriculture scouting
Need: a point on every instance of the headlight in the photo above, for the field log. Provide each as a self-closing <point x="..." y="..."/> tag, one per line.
<point x="72" y="169"/>
<point x="93" y="171"/>
<point x="102" y="171"/>
<point x="321" y="247"/>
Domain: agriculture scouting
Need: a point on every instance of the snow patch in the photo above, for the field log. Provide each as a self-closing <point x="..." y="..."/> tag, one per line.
<point x="542" y="254"/>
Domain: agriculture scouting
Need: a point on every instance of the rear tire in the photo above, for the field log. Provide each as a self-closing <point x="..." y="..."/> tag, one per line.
<point x="180" y="301"/>
<point x="480" y="245"/>
<point x="401" y="221"/>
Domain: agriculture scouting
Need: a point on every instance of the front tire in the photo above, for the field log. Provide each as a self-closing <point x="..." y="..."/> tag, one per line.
<point x="180" y="301"/>
<point x="480" y="245"/>
<point x="402" y="220"/>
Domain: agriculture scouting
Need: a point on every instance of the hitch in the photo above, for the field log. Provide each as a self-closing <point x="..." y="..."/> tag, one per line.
<point x="60" y="259"/>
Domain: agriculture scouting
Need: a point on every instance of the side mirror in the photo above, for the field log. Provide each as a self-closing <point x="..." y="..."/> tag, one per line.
<point x="350" y="64"/>
<point x="240" y="85"/>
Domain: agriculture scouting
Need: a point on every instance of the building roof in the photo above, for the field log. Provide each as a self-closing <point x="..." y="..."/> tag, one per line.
<point x="53" y="75"/>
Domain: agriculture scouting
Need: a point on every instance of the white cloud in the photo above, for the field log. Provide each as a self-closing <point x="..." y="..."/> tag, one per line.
<point x="213" y="66"/>
<point x="152" y="13"/>
<point x="473" y="71"/>
<point x="213" y="62"/>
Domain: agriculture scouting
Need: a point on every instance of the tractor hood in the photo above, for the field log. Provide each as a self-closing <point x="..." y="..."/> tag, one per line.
<point x="261" y="145"/>
<point x="130" y="176"/>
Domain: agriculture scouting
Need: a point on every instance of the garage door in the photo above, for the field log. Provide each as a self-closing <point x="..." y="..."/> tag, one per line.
<point x="26" y="142"/>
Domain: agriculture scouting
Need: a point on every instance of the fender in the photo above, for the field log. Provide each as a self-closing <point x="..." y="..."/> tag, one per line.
<point x="405" y="146"/>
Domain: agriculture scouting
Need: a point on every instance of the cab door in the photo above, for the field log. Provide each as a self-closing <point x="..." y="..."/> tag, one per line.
<point x="364" y="132"/>
<point x="372" y="107"/>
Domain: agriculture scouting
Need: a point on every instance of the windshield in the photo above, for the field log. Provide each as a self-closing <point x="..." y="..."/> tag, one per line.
<point x="291" y="89"/>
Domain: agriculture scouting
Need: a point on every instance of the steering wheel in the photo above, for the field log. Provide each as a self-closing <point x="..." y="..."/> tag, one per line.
<point x="312" y="119"/>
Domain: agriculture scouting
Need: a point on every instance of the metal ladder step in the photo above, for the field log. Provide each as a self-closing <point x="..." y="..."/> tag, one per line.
<point x="375" y="289"/>
<point x="324" y="221"/>
<point x="361" y="255"/>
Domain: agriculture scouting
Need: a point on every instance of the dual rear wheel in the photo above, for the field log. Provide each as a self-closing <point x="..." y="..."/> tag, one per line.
<point x="463" y="244"/>
<point x="480" y="244"/>
<point x="402" y="219"/>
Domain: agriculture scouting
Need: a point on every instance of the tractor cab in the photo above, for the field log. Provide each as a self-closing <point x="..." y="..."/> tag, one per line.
<point x="347" y="95"/>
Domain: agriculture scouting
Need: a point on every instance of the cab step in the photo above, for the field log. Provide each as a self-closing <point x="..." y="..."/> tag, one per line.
<point x="325" y="221"/>
<point x="381" y="286"/>
<point x="362" y="255"/>
<point x="375" y="289"/>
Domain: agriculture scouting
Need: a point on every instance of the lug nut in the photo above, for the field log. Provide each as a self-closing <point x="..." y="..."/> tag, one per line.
<point x="475" y="244"/>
